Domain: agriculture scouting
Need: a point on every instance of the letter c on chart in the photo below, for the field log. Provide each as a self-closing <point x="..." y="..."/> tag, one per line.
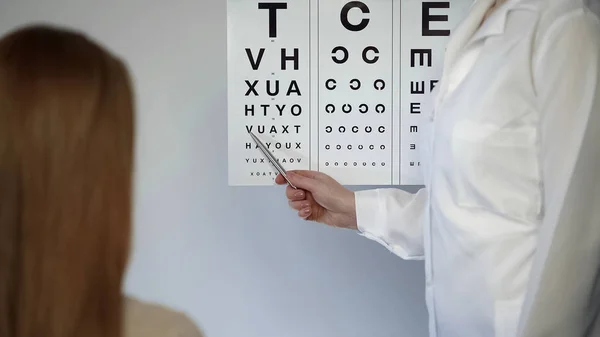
<point x="330" y="86"/>
<point x="344" y="16"/>
<point x="354" y="84"/>
<point x="335" y="58"/>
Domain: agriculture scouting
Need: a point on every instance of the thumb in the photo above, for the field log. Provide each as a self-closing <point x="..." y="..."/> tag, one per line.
<point x="305" y="180"/>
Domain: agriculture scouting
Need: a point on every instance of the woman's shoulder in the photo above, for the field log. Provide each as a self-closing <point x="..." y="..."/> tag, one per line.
<point x="145" y="319"/>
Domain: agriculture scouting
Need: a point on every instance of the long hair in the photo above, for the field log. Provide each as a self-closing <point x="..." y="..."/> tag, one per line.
<point x="66" y="143"/>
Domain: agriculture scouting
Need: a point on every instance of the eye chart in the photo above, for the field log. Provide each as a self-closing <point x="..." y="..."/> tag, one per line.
<point x="335" y="86"/>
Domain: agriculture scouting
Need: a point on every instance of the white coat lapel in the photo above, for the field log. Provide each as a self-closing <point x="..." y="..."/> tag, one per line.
<point x="458" y="38"/>
<point x="471" y="30"/>
<point x="495" y="24"/>
<point x="464" y="31"/>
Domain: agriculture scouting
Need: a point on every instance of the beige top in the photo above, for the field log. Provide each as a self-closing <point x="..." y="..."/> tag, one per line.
<point x="152" y="320"/>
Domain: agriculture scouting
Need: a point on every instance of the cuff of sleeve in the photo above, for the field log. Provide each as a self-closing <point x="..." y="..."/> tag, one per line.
<point x="369" y="215"/>
<point x="372" y="222"/>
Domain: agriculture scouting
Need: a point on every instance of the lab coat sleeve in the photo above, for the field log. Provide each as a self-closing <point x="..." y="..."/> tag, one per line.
<point x="393" y="218"/>
<point x="562" y="299"/>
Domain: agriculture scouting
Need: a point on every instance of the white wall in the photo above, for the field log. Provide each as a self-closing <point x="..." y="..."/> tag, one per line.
<point x="236" y="259"/>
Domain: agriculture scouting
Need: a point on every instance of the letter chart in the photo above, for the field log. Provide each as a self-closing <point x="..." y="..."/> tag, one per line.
<point x="335" y="86"/>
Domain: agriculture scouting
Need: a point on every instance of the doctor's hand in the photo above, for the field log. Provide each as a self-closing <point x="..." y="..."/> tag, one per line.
<point x="320" y="198"/>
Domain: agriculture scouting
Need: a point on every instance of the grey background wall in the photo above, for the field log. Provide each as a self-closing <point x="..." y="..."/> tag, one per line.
<point x="237" y="260"/>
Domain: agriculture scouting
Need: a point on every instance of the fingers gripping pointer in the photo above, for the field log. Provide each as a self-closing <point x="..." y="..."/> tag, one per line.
<point x="320" y="198"/>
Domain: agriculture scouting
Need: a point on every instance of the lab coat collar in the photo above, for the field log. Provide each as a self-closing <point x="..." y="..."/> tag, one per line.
<point x="465" y="30"/>
<point x="459" y="38"/>
<point x="496" y="23"/>
<point x="469" y="31"/>
<point x="493" y="25"/>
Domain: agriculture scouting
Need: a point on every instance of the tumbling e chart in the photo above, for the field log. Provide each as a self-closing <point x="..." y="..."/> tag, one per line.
<point x="335" y="86"/>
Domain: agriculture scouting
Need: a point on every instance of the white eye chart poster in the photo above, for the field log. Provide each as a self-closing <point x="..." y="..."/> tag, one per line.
<point x="335" y="86"/>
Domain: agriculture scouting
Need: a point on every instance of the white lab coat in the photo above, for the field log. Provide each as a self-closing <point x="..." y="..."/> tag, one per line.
<point x="512" y="176"/>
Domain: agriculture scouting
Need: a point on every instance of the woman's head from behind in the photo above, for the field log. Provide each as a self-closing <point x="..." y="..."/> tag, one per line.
<point x="66" y="142"/>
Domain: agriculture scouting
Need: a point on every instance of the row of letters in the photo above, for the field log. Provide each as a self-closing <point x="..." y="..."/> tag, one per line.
<point x="427" y="17"/>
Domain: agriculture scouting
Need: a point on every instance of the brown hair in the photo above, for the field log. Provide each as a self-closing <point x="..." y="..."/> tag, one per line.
<point x="66" y="142"/>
